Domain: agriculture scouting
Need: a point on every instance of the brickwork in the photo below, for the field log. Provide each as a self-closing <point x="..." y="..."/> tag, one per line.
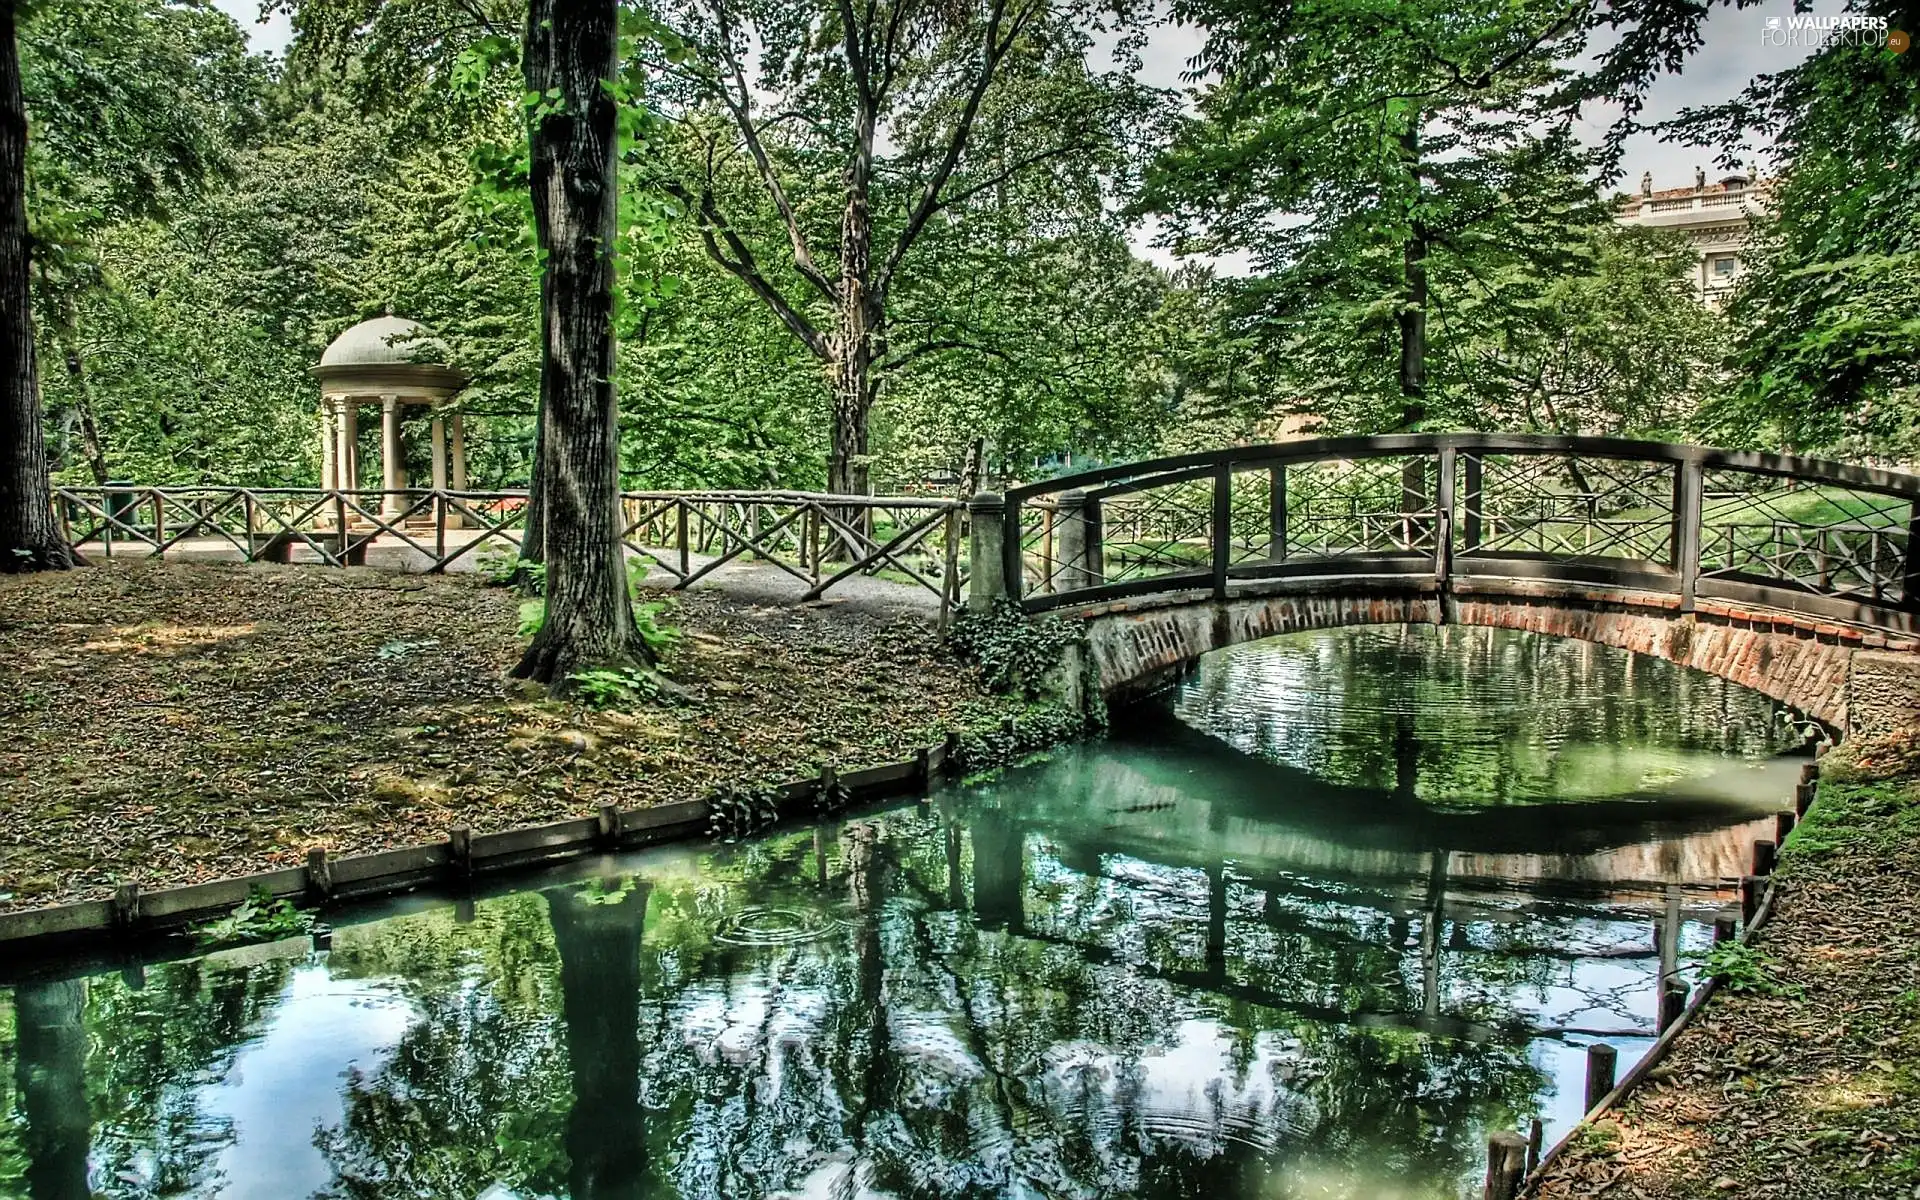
<point x="1802" y="661"/>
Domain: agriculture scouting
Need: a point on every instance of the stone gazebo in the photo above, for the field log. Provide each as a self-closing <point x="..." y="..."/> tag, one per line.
<point x="391" y="362"/>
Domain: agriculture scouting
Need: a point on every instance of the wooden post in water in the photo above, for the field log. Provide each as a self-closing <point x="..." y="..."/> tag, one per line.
<point x="1726" y="927"/>
<point x="1783" y="823"/>
<point x="1602" y="1061"/>
<point x="1506" y="1165"/>
<point x="1536" y="1140"/>
<point x="1764" y="853"/>
<point x="1750" y="886"/>
<point x="1673" y="1000"/>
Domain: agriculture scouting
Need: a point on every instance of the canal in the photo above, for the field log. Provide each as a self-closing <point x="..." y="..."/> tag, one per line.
<point x="1308" y="927"/>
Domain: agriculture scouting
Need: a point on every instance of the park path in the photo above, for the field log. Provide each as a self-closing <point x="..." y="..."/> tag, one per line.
<point x="745" y="581"/>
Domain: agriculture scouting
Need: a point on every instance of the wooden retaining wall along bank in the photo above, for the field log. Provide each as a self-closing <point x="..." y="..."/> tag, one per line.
<point x="32" y="938"/>
<point x="1678" y="1008"/>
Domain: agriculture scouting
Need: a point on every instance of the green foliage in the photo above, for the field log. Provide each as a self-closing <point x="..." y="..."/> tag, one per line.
<point x="1859" y="809"/>
<point x="1828" y="315"/>
<point x="659" y="637"/>
<point x="532" y="617"/>
<point x="1016" y="654"/>
<point x="1742" y="968"/>
<point x="1018" y="740"/>
<point x="736" y="811"/>
<point x="614" y="687"/>
<point x="258" y="918"/>
<point x="597" y="892"/>
<point x="498" y="566"/>
<point x="1400" y="180"/>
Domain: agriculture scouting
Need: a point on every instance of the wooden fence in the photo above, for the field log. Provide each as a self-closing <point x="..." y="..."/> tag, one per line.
<point x="1823" y="538"/>
<point x="821" y="540"/>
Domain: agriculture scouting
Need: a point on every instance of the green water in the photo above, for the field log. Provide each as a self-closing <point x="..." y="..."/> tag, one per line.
<point x="1310" y="928"/>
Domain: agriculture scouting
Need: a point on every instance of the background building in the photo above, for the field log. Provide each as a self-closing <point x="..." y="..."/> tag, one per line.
<point x="1715" y="217"/>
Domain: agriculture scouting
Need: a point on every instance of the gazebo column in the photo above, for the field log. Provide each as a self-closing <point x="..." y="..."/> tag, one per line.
<point x="329" y="442"/>
<point x="459" y="466"/>
<point x="392" y="459"/>
<point x="348" y="459"/>
<point x="439" y="453"/>
<point x="459" y="451"/>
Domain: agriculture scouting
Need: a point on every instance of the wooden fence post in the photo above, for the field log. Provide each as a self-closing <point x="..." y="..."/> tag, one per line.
<point x="1506" y="1165"/>
<point x="460" y="847"/>
<point x="1602" y="1063"/>
<point x="319" y="874"/>
<point x="949" y="573"/>
<point x="1673" y="1000"/>
<point x="126" y="906"/>
<point x="1222" y="525"/>
<point x="1688" y="485"/>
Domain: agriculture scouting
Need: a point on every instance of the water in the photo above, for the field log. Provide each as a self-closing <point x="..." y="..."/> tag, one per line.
<point x="1310" y="929"/>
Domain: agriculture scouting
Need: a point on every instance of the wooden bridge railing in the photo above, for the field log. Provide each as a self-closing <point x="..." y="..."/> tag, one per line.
<point x="1802" y="534"/>
<point x="821" y="540"/>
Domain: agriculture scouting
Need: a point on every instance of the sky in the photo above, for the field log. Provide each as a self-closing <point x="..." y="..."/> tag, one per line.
<point x="1734" y="52"/>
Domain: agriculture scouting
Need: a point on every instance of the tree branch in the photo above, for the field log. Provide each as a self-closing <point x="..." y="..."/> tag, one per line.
<point x="741" y="111"/>
<point x="935" y="347"/>
<point x="743" y="267"/>
<point x="994" y="51"/>
<point x="1000" y="177"/>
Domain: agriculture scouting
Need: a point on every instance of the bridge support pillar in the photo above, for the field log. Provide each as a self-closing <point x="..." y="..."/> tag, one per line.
<point x="988" y="551"/>
<point x="1883" y="693"/>
<point x="1081" y="561"/>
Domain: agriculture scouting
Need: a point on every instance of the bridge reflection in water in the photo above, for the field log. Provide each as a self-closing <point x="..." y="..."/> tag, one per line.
<point x="1175" y="963"/>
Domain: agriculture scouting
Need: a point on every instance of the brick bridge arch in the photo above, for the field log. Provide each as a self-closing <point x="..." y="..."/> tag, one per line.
<point x="1815" y="666"/>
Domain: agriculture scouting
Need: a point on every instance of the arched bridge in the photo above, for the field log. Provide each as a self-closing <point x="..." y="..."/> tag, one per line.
<point x="1795" y="576"/>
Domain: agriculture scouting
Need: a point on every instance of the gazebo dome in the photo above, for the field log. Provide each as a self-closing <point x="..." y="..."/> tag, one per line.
<point x="395" y="363"/>
<point x="383" y="341"/>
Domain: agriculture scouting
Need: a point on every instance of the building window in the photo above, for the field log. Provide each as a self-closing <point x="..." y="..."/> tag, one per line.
<point x="1724" y="267"/>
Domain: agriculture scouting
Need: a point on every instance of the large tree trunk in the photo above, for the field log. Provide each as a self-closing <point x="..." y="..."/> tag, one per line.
<point x="853" y="338"/>
<point x="52" y="1077"/>
<point x="570" y="48"/>
<point x="29" y="537"/>
<point x="855" y="323"/>
<point x="599" y="948"/>
<point x="1413" y="334"/>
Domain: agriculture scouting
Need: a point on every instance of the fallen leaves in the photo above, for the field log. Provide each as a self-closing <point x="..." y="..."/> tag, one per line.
<point x="172" y="723"/>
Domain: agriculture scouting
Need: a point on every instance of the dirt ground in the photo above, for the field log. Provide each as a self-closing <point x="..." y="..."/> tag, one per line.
<point x="168" y="723"/>
<point x="1808" y="1085"/>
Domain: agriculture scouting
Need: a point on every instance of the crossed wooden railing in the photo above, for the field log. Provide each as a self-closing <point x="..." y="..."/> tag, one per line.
<point x="821" y="540"/>
<point x="1823" y="538"/>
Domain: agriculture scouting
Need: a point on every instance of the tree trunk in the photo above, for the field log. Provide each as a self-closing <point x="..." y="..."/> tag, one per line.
<point x="570" y="48"/>
<point x="852" y="343"/>
<point x="29" y="536"/>
<point x="1413" y="334"/>
<point x="599" y="948"/>
<point x="90" y="441"/>
<point x="1413" y="308"/>
<point x="51" y="1073"/>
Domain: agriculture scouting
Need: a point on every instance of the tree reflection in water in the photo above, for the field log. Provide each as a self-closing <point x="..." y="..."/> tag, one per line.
<point x="1155" y="966"/>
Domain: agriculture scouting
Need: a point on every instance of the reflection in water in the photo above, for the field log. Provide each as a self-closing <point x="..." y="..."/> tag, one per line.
<point x="1464" y="716"/>
<point x="1220" y="957"/>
